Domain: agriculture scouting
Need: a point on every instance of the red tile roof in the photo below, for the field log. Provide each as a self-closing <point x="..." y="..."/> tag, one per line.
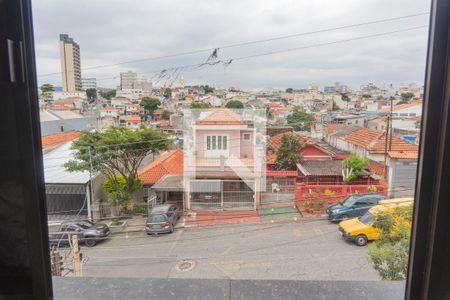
<point x="375" y="167"/>
<point x="374" y="141"/>
<point x="54" y="140"/>
<point x="132" y="119"/>
<point x="274" y="142"/>
<point x="330" y="128"/>
<point x="397" y="107"/>
<point x="109" y="108"/>
<point x="221" y="116"/>
<point x="168" y="163"/>
<point x="404" y="154"/>
<point x="274" y="104"/>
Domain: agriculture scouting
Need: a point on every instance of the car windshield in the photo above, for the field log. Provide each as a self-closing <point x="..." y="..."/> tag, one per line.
<point x="85" y="224"/>
<point x="156" y="218"/>
<point x="349" y="201"/>
<point x="366" y="219"/>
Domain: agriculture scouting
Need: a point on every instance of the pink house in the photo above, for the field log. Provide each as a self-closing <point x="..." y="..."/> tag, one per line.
<point x="220" y="169"/>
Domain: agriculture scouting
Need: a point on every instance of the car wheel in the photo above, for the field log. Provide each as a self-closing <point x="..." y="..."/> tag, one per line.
<point x="361" y="240"/>
<point x="90" y="242"/>
<point x="344" y="217"/>
<point x="171" y="229"/>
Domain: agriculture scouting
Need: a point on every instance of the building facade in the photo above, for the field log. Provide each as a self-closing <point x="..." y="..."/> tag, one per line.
<point x="88" y="83"/>
<point x="70" y="63"/>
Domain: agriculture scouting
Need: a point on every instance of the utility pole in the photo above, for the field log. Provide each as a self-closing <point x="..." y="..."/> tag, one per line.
<point x="386" y="146"/>
<point x="390" y="127"/>
<point x="76" y="257"/>
<point x="91" y="185"/>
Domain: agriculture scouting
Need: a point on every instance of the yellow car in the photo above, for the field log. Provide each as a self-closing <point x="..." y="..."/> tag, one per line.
<point x="360" y="230"/>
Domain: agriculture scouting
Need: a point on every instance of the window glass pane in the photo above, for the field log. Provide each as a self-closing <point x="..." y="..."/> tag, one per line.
<point x="208" y="143"/>
<point x="219" y="142"/>
<point x="225" y="143"/>
<point x="213" y="142"/>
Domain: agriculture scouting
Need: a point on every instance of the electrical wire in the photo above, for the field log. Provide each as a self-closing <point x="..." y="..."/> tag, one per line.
<point x="246" y="43"/>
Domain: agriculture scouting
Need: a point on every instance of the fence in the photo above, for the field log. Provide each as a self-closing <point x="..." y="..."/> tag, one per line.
<point x="333" y="192"/>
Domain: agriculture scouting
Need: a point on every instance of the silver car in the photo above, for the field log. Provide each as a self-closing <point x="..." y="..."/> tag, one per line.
<point x="162" y="218"/>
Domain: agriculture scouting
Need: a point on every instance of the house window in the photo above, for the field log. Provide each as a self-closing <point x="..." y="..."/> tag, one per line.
<point x="246" y="136"/>
<point x="216" y="142"/>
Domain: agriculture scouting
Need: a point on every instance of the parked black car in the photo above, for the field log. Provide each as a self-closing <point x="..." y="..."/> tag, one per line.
<point x="88" y="232"/>
<point x="162" y="218"/>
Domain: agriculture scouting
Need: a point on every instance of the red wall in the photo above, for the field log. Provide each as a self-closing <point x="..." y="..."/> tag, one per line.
<point x="310" y="150"/>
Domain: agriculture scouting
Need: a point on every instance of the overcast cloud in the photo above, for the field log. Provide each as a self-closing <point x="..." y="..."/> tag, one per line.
<point x="111" y="31"/>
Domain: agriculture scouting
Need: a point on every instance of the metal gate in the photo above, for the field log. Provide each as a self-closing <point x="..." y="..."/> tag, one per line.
<point x="206" y="194"/>
<point x="222" y="195"/>
<point x="238" y="195"/>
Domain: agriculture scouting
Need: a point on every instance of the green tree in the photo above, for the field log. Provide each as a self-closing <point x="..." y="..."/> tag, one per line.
<point x="407" y="96"/>
<point x="199" y="105"/>
<point x="119" y="190"/>
<point x="167" y="93"/>
<point x="208" y="89"/>
<point x="46" y="92"/>
<point x="335" y="106"/>
<point x="47" y="88"/>
<point x="389" y="254"/>
<point x="235" y="104"/>
<point x="353" y="166"/>
<point x="367" y="96"/>
<point x="300" y="120"/>
<point x="345" y="97"/>
<point x="117" y="151"/>
<point x="166" y="115"/>
<point x="289" y="90"/>
<point x="91" y="94"/>
<point x="108" y="94"/>
<point x="288" y="154"/>
<point x="150" y="104"/>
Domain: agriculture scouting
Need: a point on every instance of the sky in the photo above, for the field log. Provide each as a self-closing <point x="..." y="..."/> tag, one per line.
<point x="111" y="32"/>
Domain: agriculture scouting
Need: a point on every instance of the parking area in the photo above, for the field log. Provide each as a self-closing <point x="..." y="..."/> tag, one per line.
<point x="304" y="250"/>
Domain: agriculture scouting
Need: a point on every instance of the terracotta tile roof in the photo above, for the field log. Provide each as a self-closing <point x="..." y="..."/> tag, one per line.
<point x="132" y="119"/>
<point x="271" y="158"/>
<point x="397" y="107"/>
<point x="221" y="116"/>
<point x="397" y="145"/>
<point x="363" y="137"/>
<point x="274" y="142"/>
<point x="404" y="154"/>
<point x="274" y="104"/>
<point x="54" y="140"/>
<point x="374" y="141"/>
<point x="330" y="128"/>
<point x="168" y="163"/>
<point x="109" y="108"/>
<point x="376" y="167"/>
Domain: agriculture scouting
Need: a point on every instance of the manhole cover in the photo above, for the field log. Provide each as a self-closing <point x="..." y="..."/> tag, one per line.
<point x="185" y="265"/>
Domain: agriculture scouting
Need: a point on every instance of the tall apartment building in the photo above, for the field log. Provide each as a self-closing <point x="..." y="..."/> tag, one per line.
<point x="88" y="83"/>
<point x="70" y="63"/>
<point x="127" y="80"/>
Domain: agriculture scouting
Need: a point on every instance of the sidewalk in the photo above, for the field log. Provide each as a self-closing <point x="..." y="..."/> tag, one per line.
<point x="208" y="218"/>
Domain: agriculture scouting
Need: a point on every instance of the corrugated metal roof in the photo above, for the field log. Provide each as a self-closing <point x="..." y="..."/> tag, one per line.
<point x="54" y="170"/>
<point x="323" y="168"/>
<point x="169" y="182"/>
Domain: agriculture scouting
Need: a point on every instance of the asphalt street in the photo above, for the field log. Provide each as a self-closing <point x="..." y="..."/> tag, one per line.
<point x="303" y="250"/>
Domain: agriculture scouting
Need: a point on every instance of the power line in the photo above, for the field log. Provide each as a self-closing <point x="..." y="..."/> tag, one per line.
<point x="248" y="42"/>
<point x="192" y="67"/>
